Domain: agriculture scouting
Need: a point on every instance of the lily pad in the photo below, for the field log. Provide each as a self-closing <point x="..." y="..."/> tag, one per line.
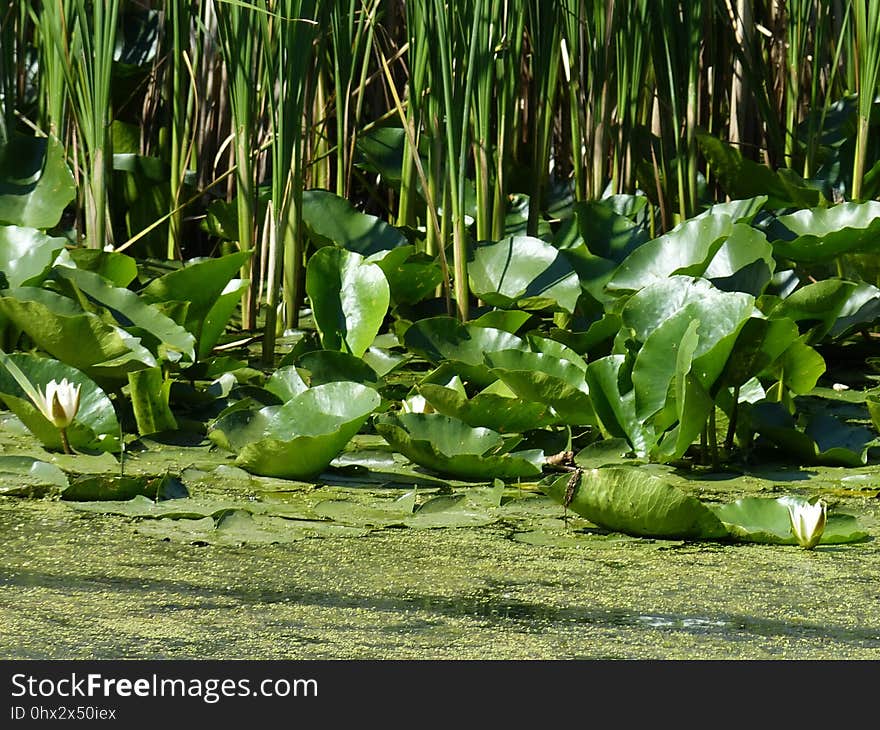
<point x="634" y="502"/>
<point x="764" y="520"/>
<point x="449" y="446"/>
<point x="349" y="298"/>
<point x="446" y="340"/>
<point x="81" y="339"/>
<point x="300" y="438"/>
<point x="35" y="182"/>
<point x="26" y="255"/>
<point x="542" y="378"/>
<point x="524" y="272"/>
<point x="496" y="407"/>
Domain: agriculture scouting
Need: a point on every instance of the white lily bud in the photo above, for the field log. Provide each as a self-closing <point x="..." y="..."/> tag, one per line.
<point x="416" y="404"/>
<point x="808" y="522"/>
<point x="60" y="402"/>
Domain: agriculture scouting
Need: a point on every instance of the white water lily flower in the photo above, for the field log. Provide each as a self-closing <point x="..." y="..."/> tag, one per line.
<point x="60" y="402"/>
<point x="808" y="522"/>
<point x="416" y="404"/>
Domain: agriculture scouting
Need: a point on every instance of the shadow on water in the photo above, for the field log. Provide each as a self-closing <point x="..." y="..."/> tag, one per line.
<point x="488" y="605"/>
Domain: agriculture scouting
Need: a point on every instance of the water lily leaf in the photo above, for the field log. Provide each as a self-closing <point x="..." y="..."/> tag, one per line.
<point x="150" y="391"/>
<point x="210" y="288"/>
<point x="837" y="307"/>
<point x="24" y="476"/>
<point x="330" y="219"/>
<point x="286" y="382"/>
<point x="386" y="513"/>
<point x="504" y="413"/>
<point x="764" y="520"/>
<point x="449" y="510"/>
<point x="744" y="262"/>
<point x="523" y="272"/>
<point x="81" y="339"/>
<point x="26" y="255"/>
<point x="687" y="249"/>
<point x="449" y="446"/>
<point x="240" y="527"/>
<point x="616" y="409"/>
<point x="509" y="320"/>
<point x="118" y="268"/>
<point x="35" y="182"/>
<point x="215" y="322"/>
<point x="743" y="178"/>
<point x="411" y="276"/>
<point x="445" y="339"/>
<point x="607" y="452"/>
<point x="130" y="308"/>
<point x="384" y="361"/>
<point x="547" y="380"/>
<point x="631" y="501"/>
<point x="349" y="299"/>
<point x="95" y="426"/>
<point x="822" y="234"/>
<point x="115" y="488"/>
<point x="327" y="366"/>
<point x="299" y="439"/>
<point x="824" y="439"/>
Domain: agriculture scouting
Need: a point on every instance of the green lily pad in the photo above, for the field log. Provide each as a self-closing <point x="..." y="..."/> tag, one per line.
<point x="764" y="520"/>
<point x="823" y="440"/>
<point x="209" y="289"/>
<point x="821" y="234"/>
<point x="524" y="272"/>
<point x="462" y="346"/>
<point x="300" y="438"/>
<point x="25" y="476"/>
<point x="26" y="255"/>
<point x="81" y="339"/>
<point x="99" y="487"/>
<point x="349" y="297"/>
<point x="35" y="182"/>
<point x="449" y="446"/>
<point x="542" y="378"/>
<point x="634" y="502"/>
<point x="496" y="407"/>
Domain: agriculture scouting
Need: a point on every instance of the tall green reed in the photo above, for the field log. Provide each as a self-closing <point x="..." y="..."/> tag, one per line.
<point x="866" y="47"/>
<point x="89" y="74"/>
<point x="288" y="30"/>
<point x="238" y="27"/>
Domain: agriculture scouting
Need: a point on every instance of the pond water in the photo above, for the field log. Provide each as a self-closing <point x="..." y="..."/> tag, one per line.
<point x="82" y="584"/>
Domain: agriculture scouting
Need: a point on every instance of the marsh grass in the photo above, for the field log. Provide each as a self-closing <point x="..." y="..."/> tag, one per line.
<point x="490" y="99"/>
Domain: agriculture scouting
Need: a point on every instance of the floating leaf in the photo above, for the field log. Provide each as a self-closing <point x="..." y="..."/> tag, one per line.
<point x="449" y="446"/>
<point x="81" y="339"/>
<point x="211" y="291"/>
<point x="634" y="502"/>
<point x="331" y="219"/>
<point x="299" y="439"/>
<point x="687" y="249"/>
<point x="548" y="380"/>
<point x="446" y="340"/>
<point x="822" y="234"/>
<point x="133" y="311"/>
<point x="497" y="408"/>
<point x="150" y="391"/>
<point x="764" y="520"/>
